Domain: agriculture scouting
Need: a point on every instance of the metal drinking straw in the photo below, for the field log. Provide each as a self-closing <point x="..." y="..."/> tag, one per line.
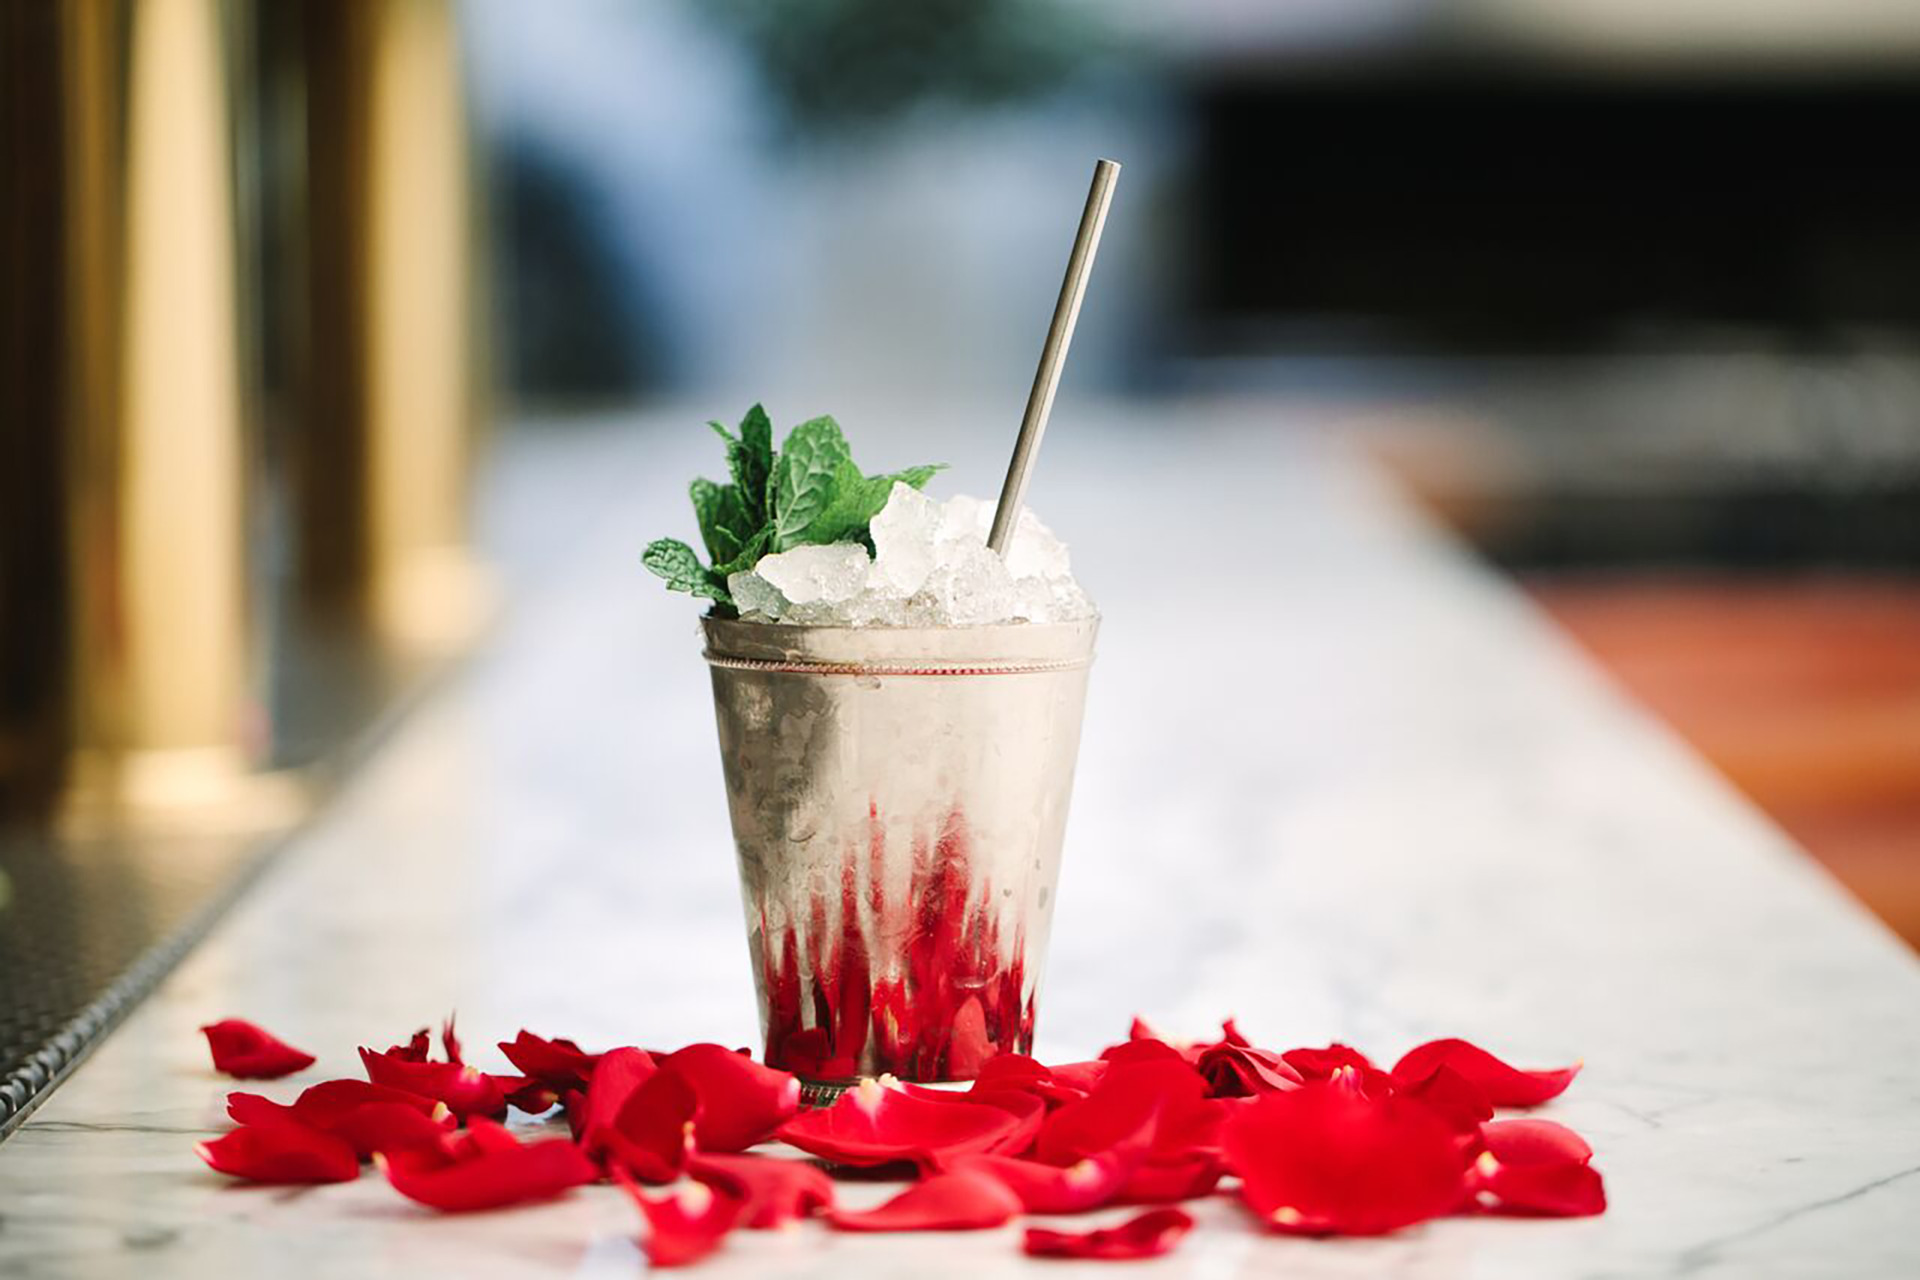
<point x="1046" y="379"/>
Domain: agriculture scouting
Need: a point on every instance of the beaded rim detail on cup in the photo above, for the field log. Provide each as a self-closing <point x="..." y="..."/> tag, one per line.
<point x="802" y="666"/>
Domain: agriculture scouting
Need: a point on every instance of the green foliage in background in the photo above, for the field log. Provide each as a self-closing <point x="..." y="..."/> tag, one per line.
<point x="838" y="63"/>
<point x="809" y="492"/>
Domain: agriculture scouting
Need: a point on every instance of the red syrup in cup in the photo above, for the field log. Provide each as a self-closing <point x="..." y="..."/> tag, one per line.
<point x="945" y="993"/>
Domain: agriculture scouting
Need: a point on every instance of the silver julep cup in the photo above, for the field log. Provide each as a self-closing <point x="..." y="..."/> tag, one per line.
<point x="898" y="798"/>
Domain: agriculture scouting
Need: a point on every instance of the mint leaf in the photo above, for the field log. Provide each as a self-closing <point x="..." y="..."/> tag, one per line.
<point x="749" y="554"/>
<point x="805" y="476"/>
<point x="725" y="525"/>
<point x="750" y="460"/>
<point x="679" y="564"/>
<point x="913" y="477"/>
<point x="809" y="493"/>
<point x="855" y="500"/>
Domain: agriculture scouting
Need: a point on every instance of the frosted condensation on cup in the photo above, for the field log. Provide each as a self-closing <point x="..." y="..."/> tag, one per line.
<point x="931" y="567"/>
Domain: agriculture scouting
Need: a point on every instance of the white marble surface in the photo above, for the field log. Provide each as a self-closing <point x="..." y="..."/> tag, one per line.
<point x="1382" y="802"/>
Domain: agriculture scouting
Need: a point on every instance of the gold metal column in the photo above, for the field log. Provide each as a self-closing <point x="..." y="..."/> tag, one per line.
<point x="388" y="455"/>
<point x="164" y="716"/>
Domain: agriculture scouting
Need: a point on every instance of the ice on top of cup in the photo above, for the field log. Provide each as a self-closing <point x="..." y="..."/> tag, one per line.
<point x="930" y="567"/>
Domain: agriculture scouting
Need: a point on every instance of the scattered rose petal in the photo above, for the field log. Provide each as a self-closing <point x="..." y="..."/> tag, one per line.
<point x="686" y="1224"/>
<point x="1147" y="1236"/>
<point x="246" y="1052"/>
<point x="616" y="1076"/>
<point x="1240" y="1071"/>
<point x="1027" y="1109"/>
<point x="417" y="1049"/>
<point x="1323" y="1160"/>
<point x="1047" y="1188"/>
<point x="1562" y="1191"/>
<point x="1079" y="1075"/>
<point x="1453" y="1098"/>
<point x="1535" y="1167"/>
<point x="956" y="1201"/>
<point x="871" y="1124"/>
<point x="1134" y="1051"/>
<point x="1503" y="1085"/>
<point x="368" y="1117"/>
<point x="1534" y="1142"/>
<point x="574" y="1103"/>
<point x="467" y="1091"/>
<point x="1166" y="1181"/>
<point x="652" y="1133"/>
<point x="559" y="1065"/>
<point x="281" y="1151"/>
<point x="1167" y="1094"/>
<point x="773" y="1191"/>
<point x="1318" y="1064"/>
<point x="741" y="1102"/>
<point x="486" y="1167"/>
<point x="321" y="1106"/>
<point x="1019" y="1072"/>
<point x="450" y="1043"/>
<point x="376" y="1127"/>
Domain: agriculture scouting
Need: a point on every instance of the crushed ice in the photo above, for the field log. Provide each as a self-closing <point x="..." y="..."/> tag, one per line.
<point x="930" y="568"/>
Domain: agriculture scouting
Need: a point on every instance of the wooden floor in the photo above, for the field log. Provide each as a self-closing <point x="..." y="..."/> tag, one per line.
<point x="1805" y="692"/>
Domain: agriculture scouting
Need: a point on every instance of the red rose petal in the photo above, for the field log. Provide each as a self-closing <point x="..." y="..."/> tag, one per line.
<point x="1079" y="1075"/>
<point x="957" y="1201"/>
<point x="871" y="1124"/>
<point x="467" y="1091"/>
<point x="486" y="1168"/>
<point x="375" y="1127"/>
<point x="1167" y="1095"/>
<point x="246" y="1052"/>
<point x="1534" y="1142"/>
<point x="1164" y="1182"/>
<point x="321" y="1106"/>
<point x="1143" y="1050"/>
<point x="1504" y="1085"/>
<point x="1535" y="1167"/>
<point x="1565" y="1191"/>
<point x="558" y="1064"/>
<point x="450" y="1043"/>
<point x="1326" y="1160"/>
<point x="685" y="1225"/>
<point x="1047" y="1188"/>
<point x="1013" y="1071"/>
<point x="774" y="1191"/>
<point x="1230" y="1035"/>
<point x="418" y="1049"/>
<point x="281" y="1152"/>
<point x="1027" y="1109"/>
<point x="1453" y="1098"/>
<point x="652" y="1135"/>
<point x="615" y="1078"/>
<point x="1318" y="1064"/>
<point x="1147" y="1236"/>
<point x="1240" y="1071"/>
<point x="741" y="1102"/>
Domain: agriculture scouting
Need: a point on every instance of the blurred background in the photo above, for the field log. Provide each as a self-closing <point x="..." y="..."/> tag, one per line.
<point x="1626" y="294"/>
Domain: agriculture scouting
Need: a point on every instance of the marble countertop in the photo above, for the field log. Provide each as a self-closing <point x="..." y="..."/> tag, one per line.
<point x="1338" y="780"/>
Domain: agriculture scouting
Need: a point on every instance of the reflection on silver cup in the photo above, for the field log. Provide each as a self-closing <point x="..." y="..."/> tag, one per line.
<point x="898" y="798"/>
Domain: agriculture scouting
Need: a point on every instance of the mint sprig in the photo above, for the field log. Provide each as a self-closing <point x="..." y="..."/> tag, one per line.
<point x="808" y="493"/>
